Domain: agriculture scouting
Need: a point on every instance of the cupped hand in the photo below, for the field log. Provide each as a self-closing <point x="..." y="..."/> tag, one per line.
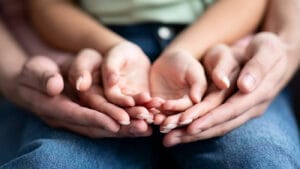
<point x="179" y="79"/>
<point x="270" y="63"/>
<point x="220" y="76"/>
<point x="125" y="74"/>
<point x="84" y="74"/>
<point x="61" y="111"/>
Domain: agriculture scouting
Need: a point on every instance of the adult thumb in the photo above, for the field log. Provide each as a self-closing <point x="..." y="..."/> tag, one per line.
<point x="42" y="74"/>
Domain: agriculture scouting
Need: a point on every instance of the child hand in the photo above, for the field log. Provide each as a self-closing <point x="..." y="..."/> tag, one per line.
<point x="84" y="75"/>
<point x="125" y="72"/>
<point x="216" y="63"/>
<point x="179" y="79"/>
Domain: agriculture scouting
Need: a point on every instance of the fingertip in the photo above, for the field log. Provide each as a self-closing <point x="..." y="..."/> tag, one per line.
<point x="225" y="81"/>
<point x="246" y="83"/>
<point x="83" y="81"/>
<point x="114" y="128"/>
<point x="196" y="94"/>
<point x="158" y="119"/>
<point x="221" y="80"/>
<point x="167" y="105"/>
<point x="129" y="101"/>
<point x="172" y="139"/>
<point x="54" y="85"/>
<point x="185" y="121"/>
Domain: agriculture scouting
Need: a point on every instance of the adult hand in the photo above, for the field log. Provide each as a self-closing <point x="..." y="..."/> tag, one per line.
<point x="269" y="66"/>
<point x="125" y="72"/>
<point x="61" y="112"/>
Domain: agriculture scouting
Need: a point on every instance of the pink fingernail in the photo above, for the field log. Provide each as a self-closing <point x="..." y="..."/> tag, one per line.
<point x="78" y="83"/>
<point x="249" y="81"/>
<point x="125" y="123"/>
<point x="226" y="81"/>
<point x="185" y="122"/>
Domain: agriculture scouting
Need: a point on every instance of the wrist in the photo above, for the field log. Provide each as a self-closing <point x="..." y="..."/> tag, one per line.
<point x="103" y="44"/>
<point x="169" y="52"/>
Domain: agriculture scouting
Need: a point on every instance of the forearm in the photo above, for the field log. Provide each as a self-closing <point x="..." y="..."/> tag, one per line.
<point x="282" y="19"/>
<point x="225" y="22"/>
<point x="65" y="26"/>
<point x="12" y="59"/>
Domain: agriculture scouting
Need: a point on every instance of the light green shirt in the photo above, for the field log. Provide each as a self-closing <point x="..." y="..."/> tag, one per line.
<point x="140" y="11"/>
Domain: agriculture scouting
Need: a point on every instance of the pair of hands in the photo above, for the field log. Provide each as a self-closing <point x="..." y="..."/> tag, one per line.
<point x="259" y="81"/>
<point x="175" y="82"/>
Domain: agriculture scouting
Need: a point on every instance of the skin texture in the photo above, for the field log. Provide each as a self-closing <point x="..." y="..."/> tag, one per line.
<point x="282" y="65"/>
<point x="269" y="60"/>
<point x="35" y="76"/>
<point x="61" y="21"/>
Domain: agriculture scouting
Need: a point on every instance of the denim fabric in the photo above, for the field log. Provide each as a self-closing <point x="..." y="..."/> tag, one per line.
<point x="270" y="141"/>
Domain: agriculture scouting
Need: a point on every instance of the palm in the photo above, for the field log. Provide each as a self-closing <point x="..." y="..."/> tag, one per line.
<point x="172" y="79"/>
<point x="134" y="74"/>
<point x="126" y="74"/>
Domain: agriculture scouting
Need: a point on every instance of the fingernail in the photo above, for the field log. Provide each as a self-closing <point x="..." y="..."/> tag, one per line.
<point x="249" y="81"/>
<point x="78" y="83"/>
<point x="149" y="120"/>
<point x="142" y="116"/>
<point x="168" y="128"/>
<point x="226" y="81"/>
<point x="125" y="123"/>
<point x="165" y="131"/>
<point x="185" y="122"/>
<point x="154" y="111"/>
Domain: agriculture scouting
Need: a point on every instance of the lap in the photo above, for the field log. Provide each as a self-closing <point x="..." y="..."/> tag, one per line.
<point x="270" y="141"/>
<point x="44" y="147"/>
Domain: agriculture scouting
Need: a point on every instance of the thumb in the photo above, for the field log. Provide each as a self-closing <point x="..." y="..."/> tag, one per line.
<point x="85" y="65"/>
<point x="264" y="51"/>
<point x="197" y="80"/>
<point x="42" y="73"/>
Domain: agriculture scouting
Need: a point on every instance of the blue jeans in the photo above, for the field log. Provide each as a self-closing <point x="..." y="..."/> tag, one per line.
<point x="270" y="141"/>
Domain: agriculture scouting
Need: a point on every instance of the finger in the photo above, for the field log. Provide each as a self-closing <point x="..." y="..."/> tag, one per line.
<point x="214" y="98"/>
<point x="62" y="108"/>
<point x="220" y="63"/>
<point x="178" y="104"/>
<point x="169" y="123"/>
<point x="221" y="129"/>
<point x="173" y="138"/>
<point x="91" y="132"/>
<point x="111" y="67"/>
<point x="159" y="118"/>
<point x="137" y="128"/>
<point x="211" y="101"/>
<point x="264" y="48"/>
<point x="115" y="95"/>
<point x="198" y="83"/>
<point x="231" y="109"/>
<point x="142" y="98"/>
<point x="140" y="112"/>
<point x="95" y="99"/>
<point x="42" y="74"/>
<point x="81" y="70"/>
<point x="156" y="102"/>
